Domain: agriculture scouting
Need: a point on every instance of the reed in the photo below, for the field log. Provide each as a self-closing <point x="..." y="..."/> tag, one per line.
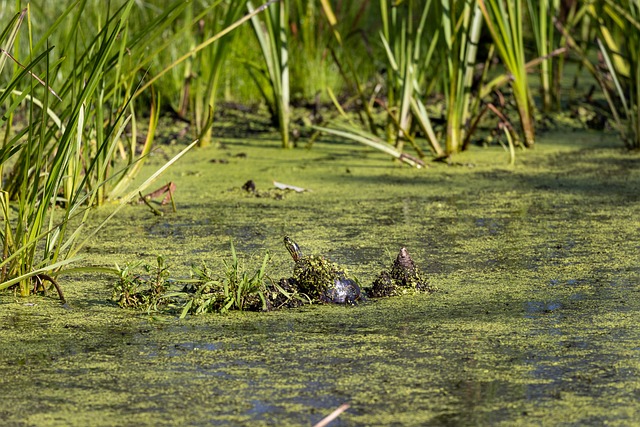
<point x="271" y="31"/>
<point x="461" y="25"/>
<point x="46" y="166"/>
<point x="504" y="19"/>
<point x="347" y="64"/>
<point x="205" y="292"/>
<point x="618" y="29"/>
<point x="408" y="59"/>
<point x="541" y="15"/>
<point x="436" y="51"/>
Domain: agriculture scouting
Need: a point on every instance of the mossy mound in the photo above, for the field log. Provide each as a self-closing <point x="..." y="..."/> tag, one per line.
<point x="403" y="277"/>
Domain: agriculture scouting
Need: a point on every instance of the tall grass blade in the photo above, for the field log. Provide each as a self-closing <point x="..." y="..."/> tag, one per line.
<point x="504" y="21"/>
<point x="271" y="33"/>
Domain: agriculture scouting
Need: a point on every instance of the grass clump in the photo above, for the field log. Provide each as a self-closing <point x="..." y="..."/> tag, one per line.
<point x="153" y="288"/>
<point x="141" y="291"/>
<point x="236" y="290"/>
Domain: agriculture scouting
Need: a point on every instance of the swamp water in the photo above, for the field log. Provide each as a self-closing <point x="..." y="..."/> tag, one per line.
<point x="537" y="321"/>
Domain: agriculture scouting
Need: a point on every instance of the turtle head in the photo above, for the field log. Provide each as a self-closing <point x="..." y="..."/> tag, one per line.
<point x="293" y="248"/>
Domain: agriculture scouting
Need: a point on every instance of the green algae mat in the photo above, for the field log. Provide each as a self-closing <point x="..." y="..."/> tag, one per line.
<point x="536" y="321"/>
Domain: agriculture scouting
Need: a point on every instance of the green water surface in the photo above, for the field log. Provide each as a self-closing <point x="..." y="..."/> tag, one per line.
<point x="537" y="321"/>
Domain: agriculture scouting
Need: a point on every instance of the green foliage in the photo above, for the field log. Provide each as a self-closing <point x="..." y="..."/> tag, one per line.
<point x="408" y="53"/>
<point x="312" y="68"/>
<point x="504" y="20"/>
<point x="46" y="171"/>
<point x="66" y="149"/>
<point x="272" y="34"/>
<point x="541" y="18"/>
<point x="241" y="289"/>
<point x="237" y="289"/>
<point x="460" y="34"/>
<point x="347" y="65"/>
<point x="448" y="31"/>
<point x="420" y="62"/>
<point x="618" y="29"/>
<point x="141" y="291"/>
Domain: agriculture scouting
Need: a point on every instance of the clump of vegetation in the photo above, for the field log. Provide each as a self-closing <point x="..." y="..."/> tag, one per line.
<point x="153" y="289"/>
<point x="236" y="290"/>
<point x="315" y="275"/>
<point x="142" y="291"/>
<point x="403" y="277"/>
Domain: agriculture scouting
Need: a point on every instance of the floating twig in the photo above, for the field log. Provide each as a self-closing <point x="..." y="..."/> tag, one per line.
<point x="332" y="416"/>
<point x="281" y="186"/>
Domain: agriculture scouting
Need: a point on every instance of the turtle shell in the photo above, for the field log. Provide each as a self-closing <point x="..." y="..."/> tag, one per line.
<point x="343" y="291"/>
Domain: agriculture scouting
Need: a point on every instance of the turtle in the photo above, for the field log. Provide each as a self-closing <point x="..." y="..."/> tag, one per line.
<point x="321" y="279"/>
<point x="403" y="277"/>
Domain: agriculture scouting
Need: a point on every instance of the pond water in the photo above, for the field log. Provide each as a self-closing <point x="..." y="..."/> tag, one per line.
<point x="536" y="322"/>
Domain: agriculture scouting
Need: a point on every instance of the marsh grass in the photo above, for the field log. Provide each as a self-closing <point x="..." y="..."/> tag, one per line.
<point x="47" y="172"/>
<point x="68" y="149"/>
<point x="408" y="55"/>
<point x="81" y="94"/>
<point x="271" y="30"/>
<point x="541" y="16"/>
<point x="308" y="41"/>
<point x="143" y="287"/>
<point x="151" y="288"/>
<point x="242" y="289"/>
<point x="504" y="19"/>
<point x="461" y="29"/>
<point x="618" y="29"/>
<point x="143" y="290"/>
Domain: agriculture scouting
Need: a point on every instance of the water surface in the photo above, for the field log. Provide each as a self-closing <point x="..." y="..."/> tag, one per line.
<point x="537" y="321"/>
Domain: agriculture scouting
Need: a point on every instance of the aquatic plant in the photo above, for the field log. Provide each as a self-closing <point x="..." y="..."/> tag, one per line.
<point x="236" y="289"/>
<point x="406" y="68"/>
<point x="461" y="24"/>
<point x="45" y="152"/>
<point x="504" y="20"/>
<point x="151" y="288"/>
<point x="312" y="69"/>
<point x="618" y="29"/>
<point x="241" y="289"/>
<point x="408" y="59"/>
<point x="141" y="291"/>
<point x="347" y="67"/>
<point x="193" y="83"/>
<point x="190" y="77"/>
<point x="272" y="34"/>
<point x="541" y="18"/>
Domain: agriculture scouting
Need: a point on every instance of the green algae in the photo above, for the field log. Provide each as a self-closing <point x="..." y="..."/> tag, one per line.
<point x="536" y="322"/>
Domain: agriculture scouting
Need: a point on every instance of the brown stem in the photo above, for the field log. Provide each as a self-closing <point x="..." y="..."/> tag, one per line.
<point x="42" y="277"/>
